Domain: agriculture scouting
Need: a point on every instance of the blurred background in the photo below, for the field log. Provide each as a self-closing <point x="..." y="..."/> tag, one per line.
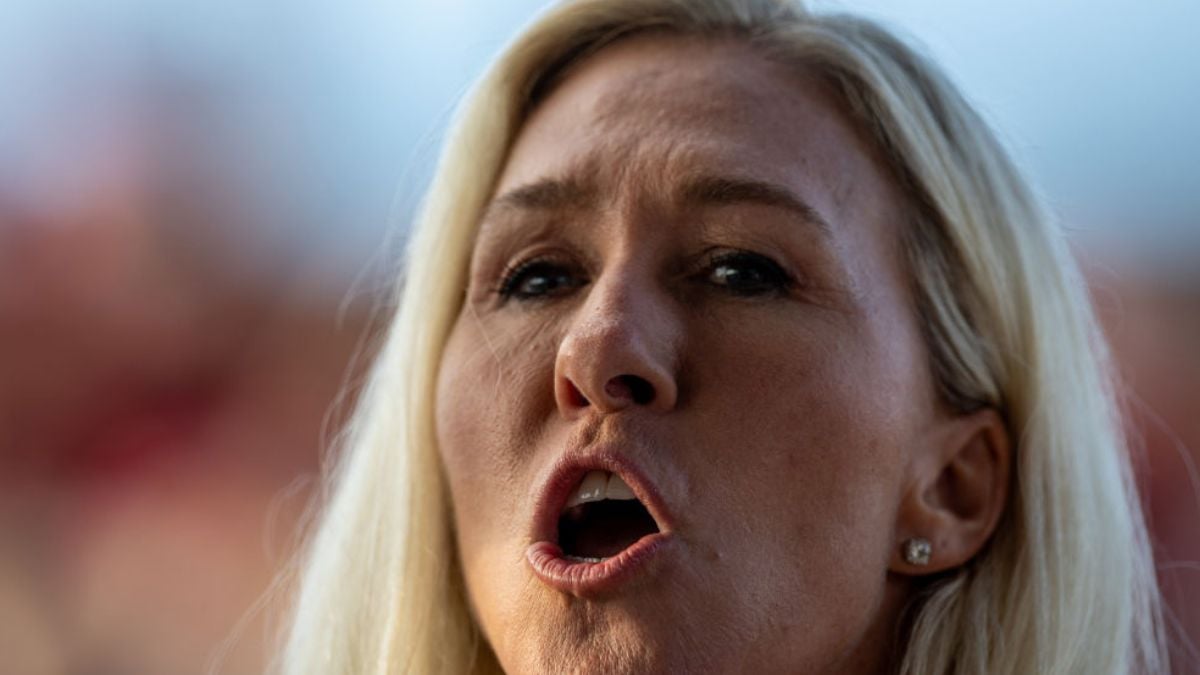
<point x="201" y="204"/>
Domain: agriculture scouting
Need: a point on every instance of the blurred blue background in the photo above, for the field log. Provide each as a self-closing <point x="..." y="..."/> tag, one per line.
<point x="199" y="207"/>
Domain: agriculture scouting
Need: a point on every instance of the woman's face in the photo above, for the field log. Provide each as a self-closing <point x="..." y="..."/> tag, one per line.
<point x="690" y="279"/>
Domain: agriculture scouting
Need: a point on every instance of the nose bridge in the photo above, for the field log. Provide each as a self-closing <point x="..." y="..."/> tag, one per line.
<point x="613" y="307"/>
<point x="621" y="348"/>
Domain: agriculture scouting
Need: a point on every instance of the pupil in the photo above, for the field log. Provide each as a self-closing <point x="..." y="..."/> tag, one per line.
<point x="542" y="283"/>
<point x="739" y="277"/>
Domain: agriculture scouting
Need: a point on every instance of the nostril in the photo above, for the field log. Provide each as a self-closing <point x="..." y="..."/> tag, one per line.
<point x="643" y="391"/>
<point x="575" y="397"/>
<point x="631" y="387"/>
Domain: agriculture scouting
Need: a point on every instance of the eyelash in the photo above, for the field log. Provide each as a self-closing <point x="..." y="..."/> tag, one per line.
<point x="773" y="278"/>
<point x="514" y="275"/>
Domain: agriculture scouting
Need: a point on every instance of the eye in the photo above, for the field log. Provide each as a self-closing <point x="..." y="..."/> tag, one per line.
<point x="538" y="279"/>
<point x="744" y="273"/>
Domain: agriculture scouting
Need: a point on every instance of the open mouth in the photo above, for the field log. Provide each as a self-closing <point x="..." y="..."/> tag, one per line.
<point x="599" y="526"/>
<point x="602" y="518"/>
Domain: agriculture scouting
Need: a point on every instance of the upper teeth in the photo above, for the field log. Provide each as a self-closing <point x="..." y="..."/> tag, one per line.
<point x="600" y="485"/>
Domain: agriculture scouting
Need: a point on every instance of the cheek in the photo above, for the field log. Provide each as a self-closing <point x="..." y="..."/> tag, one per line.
<point x="805" y="463"/>
<point x="491" y="391"/>
<point x="819" y="409"/>
<point x="483" y="424"/>
<point x="493" y="388"/>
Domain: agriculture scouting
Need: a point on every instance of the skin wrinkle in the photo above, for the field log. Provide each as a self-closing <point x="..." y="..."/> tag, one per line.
<point x="491" y="348"/>
<point x="790" y="444"/>
<point x="574" y="192"/>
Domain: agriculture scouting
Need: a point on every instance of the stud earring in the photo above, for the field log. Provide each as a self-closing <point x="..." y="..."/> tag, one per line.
<point x="917" y="551"/>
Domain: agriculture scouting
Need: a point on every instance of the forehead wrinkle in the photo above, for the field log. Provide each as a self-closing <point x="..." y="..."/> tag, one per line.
<point x="647" y="181"/>
<point x="610" y="111"/>
<point x="656" y="92"/>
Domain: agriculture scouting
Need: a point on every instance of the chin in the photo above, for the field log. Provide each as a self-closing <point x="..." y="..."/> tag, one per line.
<point x="585" y="649"/>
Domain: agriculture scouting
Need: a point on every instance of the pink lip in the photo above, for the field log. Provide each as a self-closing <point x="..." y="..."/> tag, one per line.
<point x="590" y="580"/>
<point x="583" y="579"/>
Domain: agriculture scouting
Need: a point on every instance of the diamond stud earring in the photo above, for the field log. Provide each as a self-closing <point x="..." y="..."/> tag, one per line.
<point x="917" y="551"/>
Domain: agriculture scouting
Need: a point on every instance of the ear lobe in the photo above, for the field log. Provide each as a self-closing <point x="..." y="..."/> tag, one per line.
<point x="957" y="493"/>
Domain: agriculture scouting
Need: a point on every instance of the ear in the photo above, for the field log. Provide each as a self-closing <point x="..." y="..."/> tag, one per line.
<point x="958" y="489"/>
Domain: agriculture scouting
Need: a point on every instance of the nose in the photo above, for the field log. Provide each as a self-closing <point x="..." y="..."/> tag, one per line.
<point x="621" y="351"/>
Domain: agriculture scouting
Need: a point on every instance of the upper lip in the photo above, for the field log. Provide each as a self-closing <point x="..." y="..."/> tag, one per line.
<point x="569" y="471"/>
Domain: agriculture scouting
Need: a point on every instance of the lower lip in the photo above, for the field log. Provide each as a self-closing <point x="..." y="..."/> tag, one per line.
<point x="589" y="580"/>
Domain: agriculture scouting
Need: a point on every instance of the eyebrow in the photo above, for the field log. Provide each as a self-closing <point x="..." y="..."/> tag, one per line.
<point x="548" y="194"/>
<point x="728" y="190"/>
<point x="551" y="194"/>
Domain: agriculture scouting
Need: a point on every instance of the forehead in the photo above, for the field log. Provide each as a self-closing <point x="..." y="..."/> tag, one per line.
<point x="655" y="108"/>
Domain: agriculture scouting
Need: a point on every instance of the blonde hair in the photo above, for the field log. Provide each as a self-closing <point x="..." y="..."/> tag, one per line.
<point x="1067" y="583"/>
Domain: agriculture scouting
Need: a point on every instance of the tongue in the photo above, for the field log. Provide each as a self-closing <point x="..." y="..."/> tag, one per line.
<point x="603" y="529"/>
